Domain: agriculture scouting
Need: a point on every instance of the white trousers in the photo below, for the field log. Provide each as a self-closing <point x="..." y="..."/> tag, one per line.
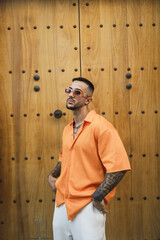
<point x="88" y="224"/>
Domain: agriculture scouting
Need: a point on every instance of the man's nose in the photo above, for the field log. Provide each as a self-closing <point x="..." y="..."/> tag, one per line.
<point x="71" y="94"/>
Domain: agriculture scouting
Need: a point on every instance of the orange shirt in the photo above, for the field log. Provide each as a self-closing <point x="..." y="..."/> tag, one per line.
<point x="96" y="150"/>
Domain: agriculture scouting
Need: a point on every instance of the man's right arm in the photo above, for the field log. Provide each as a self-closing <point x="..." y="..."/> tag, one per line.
<point x="56" y="171"/>
<point x="54" y="174"/>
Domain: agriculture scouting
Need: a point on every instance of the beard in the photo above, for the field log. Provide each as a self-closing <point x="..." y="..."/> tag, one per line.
<point x="76" y="106"/>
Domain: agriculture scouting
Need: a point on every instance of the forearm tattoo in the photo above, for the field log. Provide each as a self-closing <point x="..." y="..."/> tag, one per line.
<point x="110" y="181"/>
<point x="56" y="171"/>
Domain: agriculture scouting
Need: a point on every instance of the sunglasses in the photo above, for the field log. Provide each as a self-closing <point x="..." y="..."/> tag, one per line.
<point x="76" y="92"/>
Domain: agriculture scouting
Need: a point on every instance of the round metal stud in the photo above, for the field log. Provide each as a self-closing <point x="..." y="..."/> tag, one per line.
<point x="36" y="77"/>
<point x="128" y="86"/>
<point x="128" y="75"/>
<point x="58" y="113"/>
<point x="36" y="88"/>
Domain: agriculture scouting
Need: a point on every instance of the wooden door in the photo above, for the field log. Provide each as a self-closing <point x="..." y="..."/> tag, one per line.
<point x="116" y="45"/>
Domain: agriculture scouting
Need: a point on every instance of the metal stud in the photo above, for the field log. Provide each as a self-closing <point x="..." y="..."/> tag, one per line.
<point x="36" y="77"/>
<point x="128" y="86"/>
<point x="128" y="75"/>
<point x="36" y="88"/>
<point x="58" y="113"/>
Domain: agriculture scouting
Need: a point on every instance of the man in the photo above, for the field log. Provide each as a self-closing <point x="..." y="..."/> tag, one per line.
<point x="92" y="162"/>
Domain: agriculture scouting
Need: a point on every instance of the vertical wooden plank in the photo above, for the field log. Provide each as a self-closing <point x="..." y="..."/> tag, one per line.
<point x="105" y="64"/>
<point x="35" y="42"/>
<point x="144" y="121"/>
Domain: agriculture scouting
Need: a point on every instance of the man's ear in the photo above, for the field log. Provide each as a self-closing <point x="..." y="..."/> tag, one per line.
<point x="88" y="100"/>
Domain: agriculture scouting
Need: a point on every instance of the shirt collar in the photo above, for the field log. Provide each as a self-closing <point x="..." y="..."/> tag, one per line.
<point x="88" y="118"/>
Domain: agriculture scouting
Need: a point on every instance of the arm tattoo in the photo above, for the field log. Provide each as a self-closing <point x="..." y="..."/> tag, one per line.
<point x="110" y="181"/>
<point x="56" y="171"/>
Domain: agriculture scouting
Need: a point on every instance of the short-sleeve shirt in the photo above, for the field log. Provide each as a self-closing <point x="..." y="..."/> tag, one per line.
<point x="96" y="150"/>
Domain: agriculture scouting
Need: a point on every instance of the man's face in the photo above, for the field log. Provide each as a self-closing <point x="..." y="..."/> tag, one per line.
<point x="76" y="102"/>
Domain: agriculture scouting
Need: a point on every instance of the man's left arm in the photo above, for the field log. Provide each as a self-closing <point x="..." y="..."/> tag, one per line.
<point x="110" y="181"/>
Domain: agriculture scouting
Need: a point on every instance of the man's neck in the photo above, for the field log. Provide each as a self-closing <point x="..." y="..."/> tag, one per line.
<point x="79" y="115"/>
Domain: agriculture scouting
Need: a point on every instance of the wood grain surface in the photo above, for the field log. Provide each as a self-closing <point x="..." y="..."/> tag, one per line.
<point x="59" y="40"/>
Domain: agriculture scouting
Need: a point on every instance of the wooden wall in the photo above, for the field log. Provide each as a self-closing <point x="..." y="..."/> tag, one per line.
<point x="102" y="40"/>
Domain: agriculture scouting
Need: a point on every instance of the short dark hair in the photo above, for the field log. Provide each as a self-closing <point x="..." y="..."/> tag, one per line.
<point x="85" y="80"/>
